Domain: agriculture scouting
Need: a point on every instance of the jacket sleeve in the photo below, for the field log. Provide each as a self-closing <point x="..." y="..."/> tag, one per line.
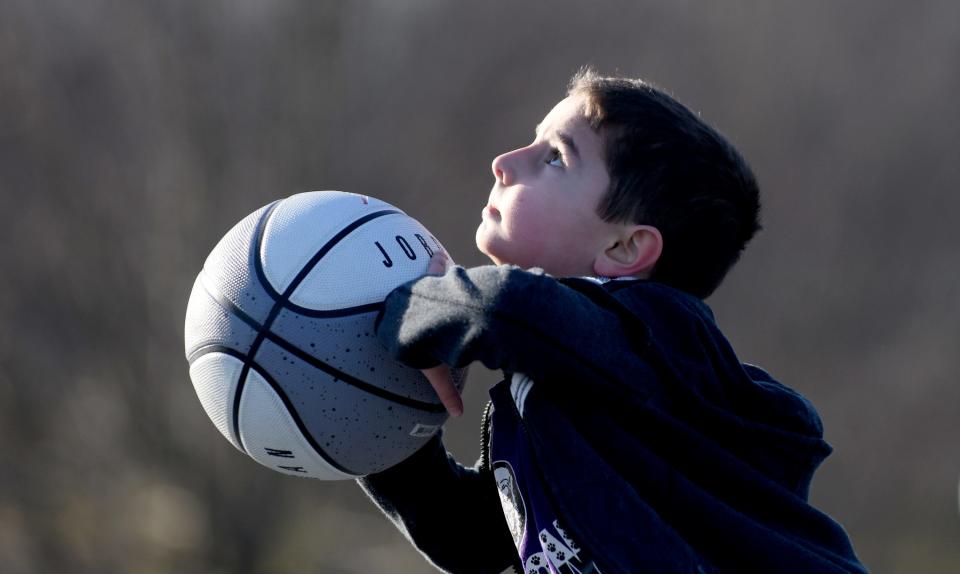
<point x="511" y="319"/>
<point x="450" y="513"/>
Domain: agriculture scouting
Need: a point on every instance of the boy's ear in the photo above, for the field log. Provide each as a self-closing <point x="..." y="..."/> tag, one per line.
<point x="634" y="253"/>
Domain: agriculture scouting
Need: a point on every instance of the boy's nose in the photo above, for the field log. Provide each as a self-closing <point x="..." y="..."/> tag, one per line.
<point x="504" y="168"/>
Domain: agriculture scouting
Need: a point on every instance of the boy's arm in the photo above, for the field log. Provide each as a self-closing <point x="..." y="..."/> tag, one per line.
<point x="510" y="319"/>
<point x="507" y="318"/>
<point x="451" y="513"/>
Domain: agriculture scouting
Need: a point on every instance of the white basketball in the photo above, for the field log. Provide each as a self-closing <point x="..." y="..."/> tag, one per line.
<point x="280" y="337"/>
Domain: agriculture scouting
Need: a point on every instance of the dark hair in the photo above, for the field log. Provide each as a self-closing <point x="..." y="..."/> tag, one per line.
<point x="670" y="170"/>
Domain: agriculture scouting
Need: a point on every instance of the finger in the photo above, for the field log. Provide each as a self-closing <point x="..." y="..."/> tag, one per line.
<point x="441" y="379"/>
<point x="438" y="263"/>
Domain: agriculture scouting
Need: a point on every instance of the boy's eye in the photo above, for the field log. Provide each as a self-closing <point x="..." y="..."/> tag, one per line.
<point x="555" y="158"/>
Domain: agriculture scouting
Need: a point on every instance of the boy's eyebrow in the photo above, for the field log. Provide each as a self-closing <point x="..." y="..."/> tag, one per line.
<point x="564" y="138"/>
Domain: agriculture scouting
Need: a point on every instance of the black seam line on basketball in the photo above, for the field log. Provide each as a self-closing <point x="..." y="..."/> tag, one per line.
<point x="330" y="245"/>
<point x="241" y="383"/>
<point x="241" y="378"/>
<point x="214" y="348"/>
<point x="345" y="312"/>
<point x="217" y="348"/>
<point x="351" y="380"/>
<point x="254" y="253"/>
<point x="298" y="421"/>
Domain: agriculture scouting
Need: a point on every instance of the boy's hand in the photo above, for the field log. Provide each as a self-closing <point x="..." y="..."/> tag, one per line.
<point x="440" y="377"/>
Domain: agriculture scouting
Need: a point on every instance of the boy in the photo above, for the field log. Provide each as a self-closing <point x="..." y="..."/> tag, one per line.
<point x="626" y="435"/>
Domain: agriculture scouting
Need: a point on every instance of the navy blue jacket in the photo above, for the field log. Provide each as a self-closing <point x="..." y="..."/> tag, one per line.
<point x="687" y="460"/>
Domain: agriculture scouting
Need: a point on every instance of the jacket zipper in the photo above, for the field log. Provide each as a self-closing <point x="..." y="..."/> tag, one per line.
<point x="485" y="437"/>
<point x="485" y="456"/>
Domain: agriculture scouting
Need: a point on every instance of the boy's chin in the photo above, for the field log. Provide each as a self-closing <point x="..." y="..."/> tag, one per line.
<point x="484" y="245"/>
<point x="499" y="251"/>
<point x="496" y="260"/>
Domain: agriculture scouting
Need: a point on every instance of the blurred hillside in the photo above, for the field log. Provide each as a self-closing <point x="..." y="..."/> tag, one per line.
<point x="134" y="134"/>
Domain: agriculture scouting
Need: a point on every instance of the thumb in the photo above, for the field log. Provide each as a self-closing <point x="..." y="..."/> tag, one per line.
<point x="439" y="262"/>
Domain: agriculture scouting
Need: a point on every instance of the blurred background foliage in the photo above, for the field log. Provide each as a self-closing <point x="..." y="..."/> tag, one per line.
<point x="133" y="134"/>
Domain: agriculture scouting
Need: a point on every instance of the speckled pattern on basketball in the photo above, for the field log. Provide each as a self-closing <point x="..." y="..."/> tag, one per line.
<point x="279" y="336"/>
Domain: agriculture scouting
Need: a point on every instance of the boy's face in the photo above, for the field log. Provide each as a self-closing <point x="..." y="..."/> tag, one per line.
<point x="542" y="208"/>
